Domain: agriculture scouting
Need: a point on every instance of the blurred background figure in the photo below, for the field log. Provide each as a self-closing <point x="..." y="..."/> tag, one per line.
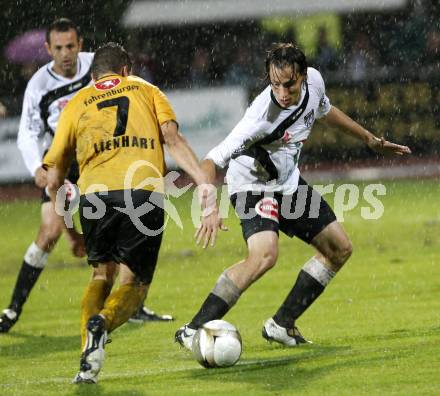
<point x="326" y="55"/>
<point x="143" y="67"/>
<point x="382" y="52"/>
<point x="200" y="68"/>
<point x="361" y="58"/>
<point x="239" y="71"/>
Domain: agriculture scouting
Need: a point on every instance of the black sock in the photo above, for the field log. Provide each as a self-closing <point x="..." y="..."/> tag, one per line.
<point x="213" y="308"/>
<point x="306" y="290"/>
<point x="26" y="280"/>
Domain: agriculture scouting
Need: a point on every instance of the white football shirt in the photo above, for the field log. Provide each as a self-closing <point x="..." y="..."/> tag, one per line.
<point x="264" y="147"/>
<point x="47" y="93"/>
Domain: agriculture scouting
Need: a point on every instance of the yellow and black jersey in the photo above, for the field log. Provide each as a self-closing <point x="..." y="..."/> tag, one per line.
<point x="113" y="127"/>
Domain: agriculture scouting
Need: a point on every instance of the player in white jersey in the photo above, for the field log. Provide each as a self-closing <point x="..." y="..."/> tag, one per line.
<point x="47" y="93"/>
<point x="269" y="194"/>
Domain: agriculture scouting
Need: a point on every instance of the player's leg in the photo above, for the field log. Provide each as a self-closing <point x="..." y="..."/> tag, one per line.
<point x="121" y="303"/>
<point x="96" y="293"/>
<point x="117" y="236"/>
<point x="114" y="311"/>
<point x="334" y="248"/>
<point x="142" y="314"/>
<point x="259" y="221"/>
<point x="93" y="329"/>
<point x="33" y="264"/>
<point x="99" y="244"/>
<point x="262" y="256"/>
<point x="73" y="237"/>
<point x="147" y="266"/>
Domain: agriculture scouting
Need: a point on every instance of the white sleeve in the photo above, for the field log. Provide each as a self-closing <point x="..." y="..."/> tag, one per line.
<point x="324" y="102"/>
<point x="246" y="132"/>
<point x="30" y="128"/>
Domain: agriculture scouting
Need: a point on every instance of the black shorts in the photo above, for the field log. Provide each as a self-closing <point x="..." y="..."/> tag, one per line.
<point x="303" y="214"/>
<point x="72" y="176"/>
<point x="111" y="235"/>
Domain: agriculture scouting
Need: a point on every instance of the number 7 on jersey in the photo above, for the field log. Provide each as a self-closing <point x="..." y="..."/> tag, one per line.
<point x="121" y="114"/>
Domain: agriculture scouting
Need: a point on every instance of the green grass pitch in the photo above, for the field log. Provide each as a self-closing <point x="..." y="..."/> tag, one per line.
<point x="376" y="329"/>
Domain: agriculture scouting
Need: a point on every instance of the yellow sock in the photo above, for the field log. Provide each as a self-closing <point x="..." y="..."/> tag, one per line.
<point x="92" y="302"/>
<point x="121" y="304"/>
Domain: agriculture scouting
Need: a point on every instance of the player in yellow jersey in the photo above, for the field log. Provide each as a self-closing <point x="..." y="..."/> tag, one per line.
<point x="117" y="128"/>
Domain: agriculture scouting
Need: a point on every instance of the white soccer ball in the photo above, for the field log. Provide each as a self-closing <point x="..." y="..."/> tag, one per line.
<point x="217" y="344"/>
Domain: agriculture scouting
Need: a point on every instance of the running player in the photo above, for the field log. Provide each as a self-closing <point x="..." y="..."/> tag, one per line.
<point x="47" y="93"/>
<point x="117" y="128"/>
<point x="269" y="194"/>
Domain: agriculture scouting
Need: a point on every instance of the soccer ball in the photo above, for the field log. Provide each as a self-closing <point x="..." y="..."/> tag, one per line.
<point x="217" y="344"/>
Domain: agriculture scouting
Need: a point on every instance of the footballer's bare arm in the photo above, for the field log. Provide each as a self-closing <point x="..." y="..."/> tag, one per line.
<point x="181" y="152"/>
<point x="40" y="177"/>
<point x="339" y="119"/>
<point x="55" y="179"/>
<point x="187" y="160"/>
<point x="209" y="168"/>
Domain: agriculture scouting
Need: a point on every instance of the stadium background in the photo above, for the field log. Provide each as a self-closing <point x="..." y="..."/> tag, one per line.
<point x="377" y="329"/>
<point x="380" y="61"/>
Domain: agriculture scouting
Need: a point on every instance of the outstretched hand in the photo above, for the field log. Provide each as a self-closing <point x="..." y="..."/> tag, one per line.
<point x="208" y="229"/>
<point x="211" y="221"/>
<point x="383" y="146"/>
<point x="40" y="177"/>
<point x="76" y="243"/>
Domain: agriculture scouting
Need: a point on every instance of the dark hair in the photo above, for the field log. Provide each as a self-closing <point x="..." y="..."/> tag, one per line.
<point x="110" y="57"/>
<point x="283" y="55"/>
<point x="62" y="25"/>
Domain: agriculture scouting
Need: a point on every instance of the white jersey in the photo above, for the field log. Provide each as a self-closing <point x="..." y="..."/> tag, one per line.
<point x="264" y="147"/>
<point x="47" y="93"/>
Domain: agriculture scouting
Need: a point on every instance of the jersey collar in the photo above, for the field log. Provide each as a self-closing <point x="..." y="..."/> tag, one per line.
<point x="105" y="76"/>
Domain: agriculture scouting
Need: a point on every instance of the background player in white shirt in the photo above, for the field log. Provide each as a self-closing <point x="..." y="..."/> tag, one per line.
<point x="268" y="193"/>
<point x="47" y="93"/>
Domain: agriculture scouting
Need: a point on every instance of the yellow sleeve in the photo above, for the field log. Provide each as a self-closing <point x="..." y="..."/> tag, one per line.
<point x="163" y="107"/>
<point x="62" y="149"/>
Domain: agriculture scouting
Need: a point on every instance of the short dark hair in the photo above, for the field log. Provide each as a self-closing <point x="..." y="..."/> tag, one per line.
<point x="283" y="55"/>
<point x="110" y="57"/>
<point x="62" y="25"/>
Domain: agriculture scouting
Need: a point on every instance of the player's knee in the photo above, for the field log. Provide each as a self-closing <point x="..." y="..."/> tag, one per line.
<point x="265" y="259"/>
<point x="269" y="259"/>
<point x="105" y="272"/>
<point x="343" y="253"/>
<point x="49" y="233"/>
<point x="110" y="277"/>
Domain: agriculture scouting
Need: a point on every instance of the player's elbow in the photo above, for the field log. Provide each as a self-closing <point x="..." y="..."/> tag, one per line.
<point x="173" y="142"/>
<point x="171" y="134"/>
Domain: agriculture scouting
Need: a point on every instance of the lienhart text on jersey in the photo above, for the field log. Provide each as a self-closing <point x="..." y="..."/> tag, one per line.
<point x="124" y="141"/>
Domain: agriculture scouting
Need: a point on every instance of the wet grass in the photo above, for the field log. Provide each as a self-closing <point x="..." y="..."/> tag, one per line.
<point x="376" y="330"/>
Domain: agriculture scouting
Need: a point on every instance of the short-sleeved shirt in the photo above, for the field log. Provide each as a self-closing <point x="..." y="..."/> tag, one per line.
<point x="46" y="95"/>
<point x="113" y="124"/>
<point x="263" y="148"/>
